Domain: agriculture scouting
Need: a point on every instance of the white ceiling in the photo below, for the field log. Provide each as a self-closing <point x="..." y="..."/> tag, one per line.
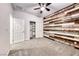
<point x="29" y="8"/>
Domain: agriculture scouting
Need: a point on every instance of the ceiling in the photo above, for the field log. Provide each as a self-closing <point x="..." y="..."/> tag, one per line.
<point x="29" y="8"/>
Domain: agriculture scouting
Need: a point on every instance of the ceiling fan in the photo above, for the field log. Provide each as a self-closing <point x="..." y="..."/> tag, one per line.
<point x="42" y="7"/>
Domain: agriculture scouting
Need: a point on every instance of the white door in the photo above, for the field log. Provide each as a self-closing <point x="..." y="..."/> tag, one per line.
<point x="18" y="30"/>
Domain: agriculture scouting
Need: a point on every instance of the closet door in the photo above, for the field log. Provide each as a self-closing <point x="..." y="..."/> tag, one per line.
<point x="18" y="30"/>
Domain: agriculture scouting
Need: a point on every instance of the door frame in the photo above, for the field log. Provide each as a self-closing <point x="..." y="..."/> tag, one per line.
<point x="34" y="29"/>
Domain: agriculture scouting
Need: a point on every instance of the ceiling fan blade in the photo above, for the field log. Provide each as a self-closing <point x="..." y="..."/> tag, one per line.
<point x="47" y="9"/>
<point x="37" y="8"/>
<point x="41" y="11"/>
<point x="39" y="4"/>
<point x="47" y="4"/>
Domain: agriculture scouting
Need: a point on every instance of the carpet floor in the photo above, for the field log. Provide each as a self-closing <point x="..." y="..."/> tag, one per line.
<point x="42" y="47"/>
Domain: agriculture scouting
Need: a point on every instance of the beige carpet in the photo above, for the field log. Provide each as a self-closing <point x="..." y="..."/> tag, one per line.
<point x="42" y="47"/>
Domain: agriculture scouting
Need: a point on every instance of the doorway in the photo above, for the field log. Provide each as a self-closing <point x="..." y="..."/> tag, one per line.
<point x="32" y="29"/>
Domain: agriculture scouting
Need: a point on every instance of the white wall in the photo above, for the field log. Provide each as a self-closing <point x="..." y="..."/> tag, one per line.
<point x="29" y="17"/>
<point x="4" y="28"/>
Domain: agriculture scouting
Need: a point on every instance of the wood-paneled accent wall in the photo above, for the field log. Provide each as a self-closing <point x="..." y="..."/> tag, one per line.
<point x="63" y="25"/>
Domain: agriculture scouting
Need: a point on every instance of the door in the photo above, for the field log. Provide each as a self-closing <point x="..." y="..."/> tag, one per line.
<point x="32" y="29"/>
<point x="18" y="30"/>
